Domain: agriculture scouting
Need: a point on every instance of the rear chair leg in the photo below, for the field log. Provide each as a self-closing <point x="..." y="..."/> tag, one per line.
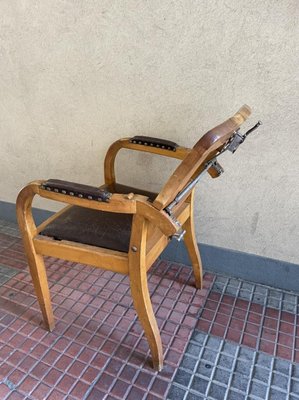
<point x="139" y="290"/>
<point x="190" y="242"/>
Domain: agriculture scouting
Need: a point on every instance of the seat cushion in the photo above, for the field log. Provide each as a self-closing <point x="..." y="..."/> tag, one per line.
<point x="93" y="227"/>
<point x="96" y="228"/>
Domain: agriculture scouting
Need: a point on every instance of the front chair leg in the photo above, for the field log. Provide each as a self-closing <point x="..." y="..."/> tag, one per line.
<point x="40" y="283"/>
<point x="35" y="261"/>
<point x="139" y="290"/>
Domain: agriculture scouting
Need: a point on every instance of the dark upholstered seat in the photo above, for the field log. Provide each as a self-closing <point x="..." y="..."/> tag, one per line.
<point x="96" y="228"/>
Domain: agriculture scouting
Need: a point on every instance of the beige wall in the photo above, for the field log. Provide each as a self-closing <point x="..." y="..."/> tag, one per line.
<point x="77" y="75"/>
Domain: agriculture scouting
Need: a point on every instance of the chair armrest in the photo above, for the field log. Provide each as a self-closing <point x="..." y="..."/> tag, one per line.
<point x="77" y="190"/>
<point x="154" y="142"/>
<point x="153" y="145"/>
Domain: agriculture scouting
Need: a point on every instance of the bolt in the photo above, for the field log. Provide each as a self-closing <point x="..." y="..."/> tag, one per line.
<point x="134" y="248"/>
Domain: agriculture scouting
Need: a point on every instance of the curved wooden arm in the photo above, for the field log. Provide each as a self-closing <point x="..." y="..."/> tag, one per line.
<point x="109" y="170"/>
<point x="118" y="203"/>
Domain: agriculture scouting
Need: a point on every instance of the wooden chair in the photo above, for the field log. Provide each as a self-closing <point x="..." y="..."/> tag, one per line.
<point x="123" y="229"/>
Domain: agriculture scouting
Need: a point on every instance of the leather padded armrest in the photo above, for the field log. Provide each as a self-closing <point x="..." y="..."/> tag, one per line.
<point x="154" y="142"/>
<point x="76" y="190"/>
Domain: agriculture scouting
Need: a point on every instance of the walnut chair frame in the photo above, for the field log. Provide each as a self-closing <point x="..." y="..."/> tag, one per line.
<point x="152" y="226"/>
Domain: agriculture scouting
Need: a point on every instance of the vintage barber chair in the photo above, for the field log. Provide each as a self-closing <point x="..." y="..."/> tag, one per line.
<point x="120" y="228"/>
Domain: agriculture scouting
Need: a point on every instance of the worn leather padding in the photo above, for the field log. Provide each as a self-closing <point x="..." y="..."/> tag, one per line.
<point x="93" y="227"/>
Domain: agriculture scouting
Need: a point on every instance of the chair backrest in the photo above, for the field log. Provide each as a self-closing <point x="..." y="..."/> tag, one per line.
<point x="204" y="150"/>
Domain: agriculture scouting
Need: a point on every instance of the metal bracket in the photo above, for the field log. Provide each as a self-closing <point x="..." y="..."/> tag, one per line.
<point x="178" y="236"/>
<point x="181" y="232"/>
<point x="238" y="138"/>
<point x="218" y="168"/>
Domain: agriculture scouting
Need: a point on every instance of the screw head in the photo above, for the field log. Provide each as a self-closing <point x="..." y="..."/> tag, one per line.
<point x="134" y="249"/>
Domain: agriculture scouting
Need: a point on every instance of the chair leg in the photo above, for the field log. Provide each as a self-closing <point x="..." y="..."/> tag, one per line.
<point x="190" y="242"/>
<point x="40" y="283"/>
<point x="140" y="292"/>
<point x="35" y="261"/>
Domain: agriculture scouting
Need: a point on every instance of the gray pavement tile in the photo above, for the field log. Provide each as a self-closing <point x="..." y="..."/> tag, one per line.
<point x="245" y="294"/>
<point x="221" y="279"/>
<point x="291" y="298"/>
<point x="193" y="349"/>
<point x="240" y="381"/>
<point x="189" y="363"/>
<point x="280" y="381"/>
<point x="199" y="384"/>
<point x="176" y="393"/>
<point x="234" y="395"/>
<point x="213" y="342"/>
<point x="258" y="389"/>
<point x="183" y="377"/>
<point x="289" y="307"/>
<point x="259" y="289"/>
<point x="217" y="392"/>
<point x="273" y="303"/>
<point x="204" y="369"/>
<point x="275" y="394"/>
<point x="225" y="361"/>
<point x="295" y="387"/>
<point x="232" y="290"/>
<point x="282" y="366"/>
<point x="209" y="355"/>
<point x="229" y="348"/>
<point x="199" y="337"/>
<point x="261" y="374"/>
<point x="295" y="371"/>
<point x="243" y="367"/>
<point x="246" y="354"/>
<point x="193" y="396"/>
<point x="275" y="293"/>
<point x="221" y="375"/>
<point x="234" y="282"/>
<point x="263" y="360"/>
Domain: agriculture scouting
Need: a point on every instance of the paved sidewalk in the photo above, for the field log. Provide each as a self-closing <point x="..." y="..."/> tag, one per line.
<point x="232" y="340"/>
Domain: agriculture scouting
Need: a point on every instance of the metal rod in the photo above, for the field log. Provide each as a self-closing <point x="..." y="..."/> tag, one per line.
<point x="189" y="186"/>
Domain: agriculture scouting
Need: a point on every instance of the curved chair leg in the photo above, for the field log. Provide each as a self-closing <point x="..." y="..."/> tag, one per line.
<point x="35" y="261"/>
<point x="190" y="242"/>
<point x="139" y="290"/>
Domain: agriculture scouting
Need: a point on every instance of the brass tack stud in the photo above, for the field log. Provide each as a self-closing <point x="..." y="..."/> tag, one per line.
<point x="134" y="249"/>
<point x="80" y="195"/>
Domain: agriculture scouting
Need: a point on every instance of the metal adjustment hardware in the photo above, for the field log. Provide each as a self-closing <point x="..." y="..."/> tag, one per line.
<point x="181" y="232"/>
<point x="192" y="183"/>
<point x="215" y="164"/>
<point x="178" y="236"/>
<point x="238" y="138"/>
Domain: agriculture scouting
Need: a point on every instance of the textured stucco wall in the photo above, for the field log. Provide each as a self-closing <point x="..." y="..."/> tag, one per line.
<point x="77" y="75"/>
